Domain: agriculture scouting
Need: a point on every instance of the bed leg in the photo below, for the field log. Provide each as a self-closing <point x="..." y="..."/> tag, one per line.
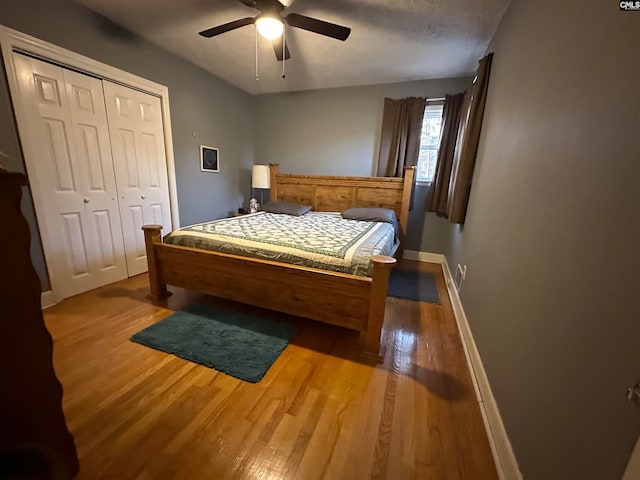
<point x="157" y="286"/>
<point x="377" y="300"/>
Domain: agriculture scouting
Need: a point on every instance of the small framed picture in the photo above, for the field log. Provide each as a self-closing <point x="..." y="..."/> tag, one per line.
<point x="209" y="159"/>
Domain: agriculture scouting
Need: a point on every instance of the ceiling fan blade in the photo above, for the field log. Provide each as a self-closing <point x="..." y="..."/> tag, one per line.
<point x="318" y="26"/>
<point x="277" y="48"/>
<point x="212" y="32"/>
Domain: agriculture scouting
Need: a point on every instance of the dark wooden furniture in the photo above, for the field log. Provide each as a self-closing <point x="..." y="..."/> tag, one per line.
<point x="342" y="299"/>
<point x="33" y="433"/>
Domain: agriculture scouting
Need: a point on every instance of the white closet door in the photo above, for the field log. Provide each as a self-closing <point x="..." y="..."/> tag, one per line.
<point x="139" y="159"/>
<point x="70" y="168"/>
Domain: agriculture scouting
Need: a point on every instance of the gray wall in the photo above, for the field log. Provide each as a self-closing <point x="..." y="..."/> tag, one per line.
<point x="220" y="115"/>
<point x="337" y="132"/>
<point x="551" y="238"/>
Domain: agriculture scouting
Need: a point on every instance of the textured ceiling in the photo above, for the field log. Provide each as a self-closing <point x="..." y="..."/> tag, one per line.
<point x="391" y="40"/>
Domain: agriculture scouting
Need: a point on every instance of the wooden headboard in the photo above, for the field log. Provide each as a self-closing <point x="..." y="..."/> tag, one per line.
<point x="335" y="194"/>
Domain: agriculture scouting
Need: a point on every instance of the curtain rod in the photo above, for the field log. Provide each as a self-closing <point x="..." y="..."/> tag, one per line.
<point x="435" y="99"/>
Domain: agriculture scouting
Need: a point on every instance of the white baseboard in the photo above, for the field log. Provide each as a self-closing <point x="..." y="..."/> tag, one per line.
<point x="424" y="256"/>
<point x="503" y="455"/>
<point x="47" y="300"/>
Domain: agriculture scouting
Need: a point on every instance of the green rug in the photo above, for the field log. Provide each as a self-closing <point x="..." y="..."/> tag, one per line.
<point x="234" y="343"/>
<point x="413" y="285"/>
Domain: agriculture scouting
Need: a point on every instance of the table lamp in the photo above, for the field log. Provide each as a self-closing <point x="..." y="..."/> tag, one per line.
<point x="260" y="178"/>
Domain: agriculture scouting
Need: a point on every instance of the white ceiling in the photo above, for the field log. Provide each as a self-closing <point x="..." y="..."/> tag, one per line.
<point x="391" y="40"/>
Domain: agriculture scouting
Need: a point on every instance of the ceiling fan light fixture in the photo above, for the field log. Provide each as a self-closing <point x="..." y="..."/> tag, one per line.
<point x="269" y="27"/>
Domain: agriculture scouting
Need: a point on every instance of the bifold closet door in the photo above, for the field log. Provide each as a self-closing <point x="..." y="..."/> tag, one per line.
<point x="68" y="157"/>
<point x="139" y="160"/>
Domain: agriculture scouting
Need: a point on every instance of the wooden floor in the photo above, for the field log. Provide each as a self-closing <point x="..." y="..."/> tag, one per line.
<point x="319" y="412"/>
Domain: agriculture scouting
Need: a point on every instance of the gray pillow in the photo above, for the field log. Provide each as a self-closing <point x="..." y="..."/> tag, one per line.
<point x="286" y="208"/>
<point x="370" y="215"/>
<point x="374" y="215"/>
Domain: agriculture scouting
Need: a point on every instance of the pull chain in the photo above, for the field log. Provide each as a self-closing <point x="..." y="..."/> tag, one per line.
<point x="257" y="76"/>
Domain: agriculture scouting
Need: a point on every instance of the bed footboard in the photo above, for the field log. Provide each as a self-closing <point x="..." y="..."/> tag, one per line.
<point x="377" y="302"/>
<point x="341" y="299"/>
<point x="157" y="285"/>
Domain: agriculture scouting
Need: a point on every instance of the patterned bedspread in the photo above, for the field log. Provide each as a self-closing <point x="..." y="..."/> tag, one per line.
<point x="317" y="239"/>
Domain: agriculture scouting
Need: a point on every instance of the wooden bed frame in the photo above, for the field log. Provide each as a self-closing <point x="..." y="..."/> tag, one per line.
<point x="342" y="299"/>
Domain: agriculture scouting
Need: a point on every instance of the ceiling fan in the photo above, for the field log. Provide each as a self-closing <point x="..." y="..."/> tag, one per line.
<point x="270" y="24"/>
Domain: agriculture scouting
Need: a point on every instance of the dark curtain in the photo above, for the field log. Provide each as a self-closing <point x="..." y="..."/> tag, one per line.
<point x="400" y="136"/>
<point x="467" y="145"/>
<point x="439" y="190"/>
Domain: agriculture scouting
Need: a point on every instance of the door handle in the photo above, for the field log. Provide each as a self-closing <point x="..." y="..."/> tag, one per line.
<point x="142" y="197"/>
<point x="86" y="200"/>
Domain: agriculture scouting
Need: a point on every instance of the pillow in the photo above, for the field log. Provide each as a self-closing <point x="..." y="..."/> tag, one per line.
<point x="286" y="208"/>
<point x="374" y="215"/>
<point x="371" y="215"/>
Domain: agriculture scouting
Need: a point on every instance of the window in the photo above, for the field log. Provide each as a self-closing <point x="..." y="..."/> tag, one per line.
<point x="429" y="143"/>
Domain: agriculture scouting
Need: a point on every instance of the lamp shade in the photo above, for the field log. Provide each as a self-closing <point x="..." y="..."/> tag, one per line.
<point x="260" y="176"/>
<point x="269" y="27"/>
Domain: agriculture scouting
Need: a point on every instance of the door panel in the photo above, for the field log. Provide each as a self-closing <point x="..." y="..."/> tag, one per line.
<point x="137" y="220"/>
<point x="123" y="105"/>
<point x="69" y="164"/>
<point x="107" y="259"/>
<point x="76" y="245"/>
<point x="157" y="214"/>
<point x="139" y="160"/>
<point x="48" y="90"/>
<point x="124" y="143"/>
<point x="90" y="154"/>
<point x="150" y="152"/>
<point x="83" y="100"/>
<point x="58" y="144"/>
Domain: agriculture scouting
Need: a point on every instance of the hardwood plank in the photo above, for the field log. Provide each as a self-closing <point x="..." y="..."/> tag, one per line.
<point x="320" y="411"/>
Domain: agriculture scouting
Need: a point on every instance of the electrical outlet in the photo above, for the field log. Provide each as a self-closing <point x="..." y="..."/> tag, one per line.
<point x="461" y="274"/>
